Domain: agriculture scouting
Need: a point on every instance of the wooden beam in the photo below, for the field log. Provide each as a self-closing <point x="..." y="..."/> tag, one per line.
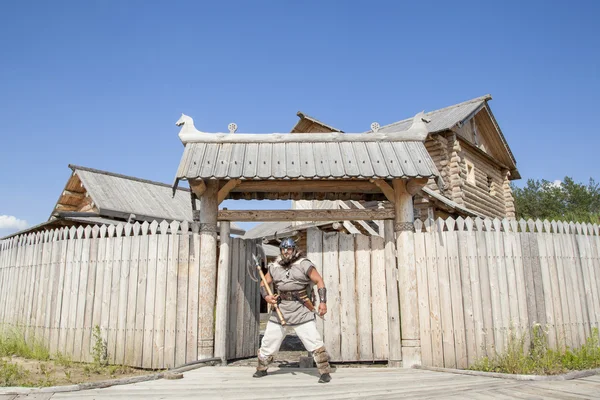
<point x="198" y="187"/>
<point x="385" y="188"/>
<point x="413" y="186"/>
<point x="65" y="207"/>
<point x="304" y="215"/>
<point x="224" y="191"/>
<point x="79" y="195"/>
<point x="313" y="186"/>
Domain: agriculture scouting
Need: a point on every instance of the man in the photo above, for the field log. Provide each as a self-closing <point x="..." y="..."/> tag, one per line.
<point x="292" y="274"/>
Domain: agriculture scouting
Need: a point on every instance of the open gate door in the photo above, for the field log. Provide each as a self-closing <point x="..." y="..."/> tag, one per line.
<point x="244" y="300"/>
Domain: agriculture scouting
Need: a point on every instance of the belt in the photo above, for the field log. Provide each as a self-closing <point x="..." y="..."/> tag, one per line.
<point x="293" y="295"/>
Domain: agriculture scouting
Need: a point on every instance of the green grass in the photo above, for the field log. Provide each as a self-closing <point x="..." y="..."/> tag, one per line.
<point x="534" y="357"/>
<point x="13" y="343"/>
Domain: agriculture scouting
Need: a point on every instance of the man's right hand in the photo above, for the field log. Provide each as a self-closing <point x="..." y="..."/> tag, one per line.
<point x="271" y="299"/>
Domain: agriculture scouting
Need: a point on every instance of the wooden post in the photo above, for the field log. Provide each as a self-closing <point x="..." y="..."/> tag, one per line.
<point x="222" y="293"/>
<point x="393" y="308"/>
<point x="407" y="274"/>
<point x="208" y="269"/>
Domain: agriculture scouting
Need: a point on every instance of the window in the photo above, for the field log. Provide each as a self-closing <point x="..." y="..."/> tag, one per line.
<point x="470" y="172"/>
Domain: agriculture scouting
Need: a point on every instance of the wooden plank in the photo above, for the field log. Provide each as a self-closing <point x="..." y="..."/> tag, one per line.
<point x="393" y="303"/>
<point x="171" y="295"/>
<point x="554" y="284"/>
<point x="148" y="336"/>
<point x="255" y="303"/>
<point x="132" y="293"/>
<point x="493" y="277"/>
<point x="332" y="329"/>
<point x="101" y="242"/>
<point x="137" y="346"/>
<point x="423" y="295"/>
<point x="379" y="299"/>
<point x="537" y="274"/>
<point x="158" y="358"/>
<point x="248" y="318"/>
<point x="484" y="282"/>
<point x="595" y="268"/>
<point x="124" y="277"/>
<point x="233" y="299"/>
<point x="107" y="286"/>
<point x="583" y="256"/>
<point x="476" y="339"/>
<point x="363" y="298"/>
<point x="546" y="286"/>
<point x="569" y="285"/>
<point x="511" y="279"/>
<point x="305" y="215"/>
<point x="239" y="297"/>
<point x="73" y="294"/>
<point x="532" y="315"/>
<point x="456" y="293"/>
<point x="63" y="292"/>
<point x="520" y="278"/>
<point x="314" y="252"/>
<point x="567" y="335"/>
<point x="91" y="248"/>
<point x="81" y="295"/>
<point x="577" y="286"/>
<point x="224" y="191"/>
<point x="445" y="296"/>
<point x="114" y="294"/>
<point x="434" y="295"/>
<point x="310" y="186"/>
<point x="348" y="298"/>
<point x="193" y="296"/>
<point x="503" y="292"/>
<point x="182" y="295"/>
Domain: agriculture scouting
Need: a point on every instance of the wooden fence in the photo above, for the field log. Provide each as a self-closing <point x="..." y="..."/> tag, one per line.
<point x="479" y="281"/>
<point x="139" y="283"/>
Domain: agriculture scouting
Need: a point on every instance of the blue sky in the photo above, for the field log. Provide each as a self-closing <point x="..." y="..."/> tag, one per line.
<point x="101" y="83"/>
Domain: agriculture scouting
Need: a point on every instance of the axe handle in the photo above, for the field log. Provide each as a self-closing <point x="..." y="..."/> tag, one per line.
<point x="264" y="281"/>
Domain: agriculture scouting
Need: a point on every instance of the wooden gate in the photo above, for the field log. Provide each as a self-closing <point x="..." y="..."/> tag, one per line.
<point x="353" y="268"/>
<point x="244" y="301"/>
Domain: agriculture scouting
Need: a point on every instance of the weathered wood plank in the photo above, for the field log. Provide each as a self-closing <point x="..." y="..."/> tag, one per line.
<point x="434" y="295"/>
<point x="423" y="296"/>
<point x="171" y="295"/>
<point x="445" y="296"/>
<point x="182" y="295"/>
<point x="379" y="299"/>
<point x="457" y="295"/>
<point x="305" y="215"/>
<point x="348" y="298"/>
<point x="332" y="327"/>
<point x="364" y="298"/>
<point x="158" y="357"/>
<point x="393" y="302"/>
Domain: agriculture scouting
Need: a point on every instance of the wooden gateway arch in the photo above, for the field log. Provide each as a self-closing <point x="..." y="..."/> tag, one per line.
<point x="319" y="166"/>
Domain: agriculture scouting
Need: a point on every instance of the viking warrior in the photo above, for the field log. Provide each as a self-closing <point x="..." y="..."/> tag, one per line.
<point x="292" y="275"/>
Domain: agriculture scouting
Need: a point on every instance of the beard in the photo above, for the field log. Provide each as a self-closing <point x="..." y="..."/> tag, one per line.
<point x="287" y="262"/>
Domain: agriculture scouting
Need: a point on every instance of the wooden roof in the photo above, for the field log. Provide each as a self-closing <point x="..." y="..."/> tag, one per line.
<point x="121" y="197"/>
<point x="316" y="156"/>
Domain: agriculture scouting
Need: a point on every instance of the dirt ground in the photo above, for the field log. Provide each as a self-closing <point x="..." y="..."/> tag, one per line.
<point x="51" y="373"/>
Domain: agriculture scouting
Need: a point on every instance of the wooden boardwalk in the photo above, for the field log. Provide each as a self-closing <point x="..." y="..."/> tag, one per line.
<point x="348" y="383"/>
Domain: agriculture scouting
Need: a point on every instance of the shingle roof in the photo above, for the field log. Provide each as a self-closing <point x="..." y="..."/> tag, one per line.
<point x="119" y="196"/>
<point x="444" y="118"/>
<point x="306" y="160"/>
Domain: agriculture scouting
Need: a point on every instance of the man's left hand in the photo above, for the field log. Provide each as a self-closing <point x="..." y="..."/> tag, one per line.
<point x="322" y="309"/>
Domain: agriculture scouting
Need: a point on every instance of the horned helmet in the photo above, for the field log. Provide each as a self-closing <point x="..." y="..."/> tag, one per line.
<point x="288" y="249"/>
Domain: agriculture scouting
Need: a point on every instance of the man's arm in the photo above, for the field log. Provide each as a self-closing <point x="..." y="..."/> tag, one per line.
<point x="314" y="276"/>
<point x="263" y="290"/>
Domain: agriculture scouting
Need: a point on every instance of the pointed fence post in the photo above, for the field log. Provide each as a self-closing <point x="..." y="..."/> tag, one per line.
<point x="222" y="293"/>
